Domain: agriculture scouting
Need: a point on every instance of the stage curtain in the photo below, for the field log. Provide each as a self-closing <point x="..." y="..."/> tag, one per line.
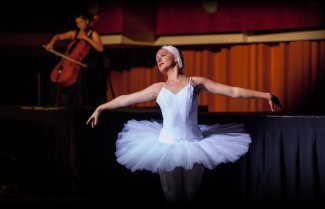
<point x="284" y="163"/>
<point x="294" y="71"/>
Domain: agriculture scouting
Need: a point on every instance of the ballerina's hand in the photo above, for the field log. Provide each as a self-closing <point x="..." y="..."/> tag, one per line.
<point x="275" y="103"/>
<point x="93" y="119"/>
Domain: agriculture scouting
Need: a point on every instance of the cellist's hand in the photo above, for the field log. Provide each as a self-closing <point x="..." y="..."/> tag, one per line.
<point x="84" y="37"/>
<point x="48" y="46"/>
<point x="93" y="119"/>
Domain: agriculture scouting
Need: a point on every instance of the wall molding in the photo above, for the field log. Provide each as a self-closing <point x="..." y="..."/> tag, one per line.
<point x="231" y="38"/>
<point x="37" y="40"/>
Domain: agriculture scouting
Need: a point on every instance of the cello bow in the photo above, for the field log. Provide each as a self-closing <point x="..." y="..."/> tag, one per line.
<point x="66" y="57"/>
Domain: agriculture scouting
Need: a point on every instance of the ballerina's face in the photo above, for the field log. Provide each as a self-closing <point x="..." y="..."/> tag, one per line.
<point x="165" y="60"/>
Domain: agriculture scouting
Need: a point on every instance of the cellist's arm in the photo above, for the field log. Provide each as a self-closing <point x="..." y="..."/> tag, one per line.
<point x="94" y="40"/>
<point x="58" y="37"/>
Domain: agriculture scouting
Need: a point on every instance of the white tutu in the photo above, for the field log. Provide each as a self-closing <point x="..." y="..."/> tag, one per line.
<point x="138" y="147"/>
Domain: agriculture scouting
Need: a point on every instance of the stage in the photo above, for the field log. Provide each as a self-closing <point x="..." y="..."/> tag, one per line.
<point x="50" y="154"/>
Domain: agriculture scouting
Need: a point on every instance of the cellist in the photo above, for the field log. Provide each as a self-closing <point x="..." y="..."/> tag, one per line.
<point x="82" y="92"/>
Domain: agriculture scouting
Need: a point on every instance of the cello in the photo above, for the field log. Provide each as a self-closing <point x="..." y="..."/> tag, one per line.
<point x="67" y="70"/>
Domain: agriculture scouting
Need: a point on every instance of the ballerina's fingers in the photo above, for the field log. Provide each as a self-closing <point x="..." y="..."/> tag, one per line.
<point x="276" y="102"/>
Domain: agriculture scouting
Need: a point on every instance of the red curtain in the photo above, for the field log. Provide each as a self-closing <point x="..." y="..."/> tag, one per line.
<point x="294" y="71"/>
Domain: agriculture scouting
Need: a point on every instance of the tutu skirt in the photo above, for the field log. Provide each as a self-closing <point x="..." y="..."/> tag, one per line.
<point x="138" y="148"/>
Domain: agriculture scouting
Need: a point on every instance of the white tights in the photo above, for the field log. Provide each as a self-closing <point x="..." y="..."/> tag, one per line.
<point x="181" y="185"/>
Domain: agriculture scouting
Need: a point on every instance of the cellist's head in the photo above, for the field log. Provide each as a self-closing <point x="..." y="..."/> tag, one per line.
<point x="82" y="20"/>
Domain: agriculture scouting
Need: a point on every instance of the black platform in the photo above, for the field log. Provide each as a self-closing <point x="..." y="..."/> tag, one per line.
<point x="49" y="155"/>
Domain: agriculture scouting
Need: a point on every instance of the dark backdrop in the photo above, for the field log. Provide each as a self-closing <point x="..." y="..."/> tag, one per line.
<point x="56" y="155"/>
